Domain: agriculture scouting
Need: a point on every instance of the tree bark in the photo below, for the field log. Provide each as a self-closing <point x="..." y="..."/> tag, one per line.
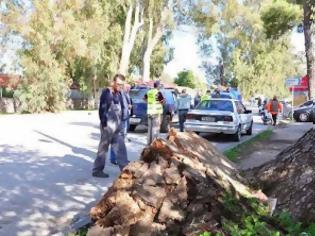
<point x="291" y="178"/>
<point x="152" y="42"/>
<point x="130" y="34"/>
<point x="174" y="189"/>
<point x="309" y="34"/>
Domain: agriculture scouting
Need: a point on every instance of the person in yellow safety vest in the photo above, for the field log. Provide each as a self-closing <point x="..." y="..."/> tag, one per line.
<point x="206" y="96"/>
<point x="155" y="101"/>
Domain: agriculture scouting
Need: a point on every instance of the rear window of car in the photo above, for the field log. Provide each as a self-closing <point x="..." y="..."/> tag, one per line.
<point x="308" y="103"/>
<point x="137" y="95"/>
<point x="215" y="105"/>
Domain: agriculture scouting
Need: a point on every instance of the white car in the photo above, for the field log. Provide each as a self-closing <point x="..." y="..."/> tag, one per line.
<point x="218" y="115"/>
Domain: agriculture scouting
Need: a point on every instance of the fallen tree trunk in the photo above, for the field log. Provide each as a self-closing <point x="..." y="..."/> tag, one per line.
<point x="291" y="178"/>
<point x="178" y="186"/>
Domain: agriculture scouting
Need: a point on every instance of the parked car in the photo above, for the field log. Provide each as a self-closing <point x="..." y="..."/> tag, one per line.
<point x="139" y="108"/>
<point x="303" y="113"/>
<point x="219" y="115"/>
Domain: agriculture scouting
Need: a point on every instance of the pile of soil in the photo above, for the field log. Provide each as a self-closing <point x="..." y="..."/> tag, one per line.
<point x="291" y="178"/>
<point x="178" y="187"/>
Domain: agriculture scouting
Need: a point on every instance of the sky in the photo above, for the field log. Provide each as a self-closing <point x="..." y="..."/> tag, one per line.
<point x="186" y="51"/>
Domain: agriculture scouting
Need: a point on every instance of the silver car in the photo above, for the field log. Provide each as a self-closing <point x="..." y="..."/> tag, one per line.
<point x="218" y="115"/>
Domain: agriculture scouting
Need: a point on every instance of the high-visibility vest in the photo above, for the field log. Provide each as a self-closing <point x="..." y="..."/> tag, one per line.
<point x="154" y="106"/>
<point x="205" y="97"/>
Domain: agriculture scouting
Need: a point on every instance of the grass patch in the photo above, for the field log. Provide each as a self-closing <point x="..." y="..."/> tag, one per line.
<point x="235" y="152"/>
<point x="80" y="232"/>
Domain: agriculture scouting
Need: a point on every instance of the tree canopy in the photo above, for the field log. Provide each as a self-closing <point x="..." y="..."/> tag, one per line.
<point x="245" y="55"/>
<point x="186" y="78"/>
<point x="67" y="42"/>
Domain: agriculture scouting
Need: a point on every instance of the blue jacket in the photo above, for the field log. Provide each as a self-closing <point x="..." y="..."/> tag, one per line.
<point x="106" y="100"/>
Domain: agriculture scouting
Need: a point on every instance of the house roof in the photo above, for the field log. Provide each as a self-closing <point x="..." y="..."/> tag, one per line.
<point x="9" y="81"/>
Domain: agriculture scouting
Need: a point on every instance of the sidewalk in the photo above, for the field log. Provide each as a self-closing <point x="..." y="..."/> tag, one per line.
<point x="281" y="138"/>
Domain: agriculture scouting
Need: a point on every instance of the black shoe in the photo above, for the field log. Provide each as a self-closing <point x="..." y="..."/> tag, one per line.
<point x="114" y="162"/>
<point x="100" y="174"/>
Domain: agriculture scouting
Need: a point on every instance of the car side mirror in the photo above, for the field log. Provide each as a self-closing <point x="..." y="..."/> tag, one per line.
<point x="248" y="112"/>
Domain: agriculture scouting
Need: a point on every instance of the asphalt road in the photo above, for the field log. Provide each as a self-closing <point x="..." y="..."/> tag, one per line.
<point x="45" y="169"/>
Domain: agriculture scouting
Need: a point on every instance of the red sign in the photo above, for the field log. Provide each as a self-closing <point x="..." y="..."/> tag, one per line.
<point x="303" y="85"/>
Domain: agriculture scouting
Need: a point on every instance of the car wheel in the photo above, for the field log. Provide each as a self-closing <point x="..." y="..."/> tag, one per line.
<point x="165" y="124"/>
<point x="237" y="136"/>
<point x="250" y="129"/>
<point x="304" y="117"/>
<point x="132" y="127"/>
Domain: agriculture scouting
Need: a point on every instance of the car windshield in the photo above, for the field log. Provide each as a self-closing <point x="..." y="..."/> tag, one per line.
<point x="215" y="105"/>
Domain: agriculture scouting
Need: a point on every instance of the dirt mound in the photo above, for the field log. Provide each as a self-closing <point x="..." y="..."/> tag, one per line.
<point x="291" y="178"/>
<point x="177" y="188"/>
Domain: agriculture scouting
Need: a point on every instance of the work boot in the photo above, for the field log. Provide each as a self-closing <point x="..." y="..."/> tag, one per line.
<point x="100" y="174"/>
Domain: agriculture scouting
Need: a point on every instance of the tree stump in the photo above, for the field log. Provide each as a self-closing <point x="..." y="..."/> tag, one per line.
<point x="176" y="188"/>
<point x="291" y="178"/>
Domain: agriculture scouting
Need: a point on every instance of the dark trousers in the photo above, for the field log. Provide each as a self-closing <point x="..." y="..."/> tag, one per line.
<point x="125" y="125"/>
<point x="274" y="118"/>
<point x="182" y="118"/>
<point x="114" y="136"/>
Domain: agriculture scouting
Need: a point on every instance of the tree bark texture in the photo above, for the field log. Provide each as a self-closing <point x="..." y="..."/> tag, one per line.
<point x="291" y="178"/>
<point x="309" y="34"/>
<point x="130" y="35"/>
<point x="176" y="188"/>
<point x="153" y="40"/>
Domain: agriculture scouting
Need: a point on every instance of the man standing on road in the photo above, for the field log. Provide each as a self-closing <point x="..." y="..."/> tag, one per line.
<point x="197" y="99"/>
<point x="111" y="112"/>
<point x="155" y="101"/>
<point x="125" y="120"/>
<point x="274" y="107"/>
<point x="183" y="105"/>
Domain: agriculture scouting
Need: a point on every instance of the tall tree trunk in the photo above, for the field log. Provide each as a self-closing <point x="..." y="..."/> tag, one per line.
<point x="152" y="42"/>
<point x="309" y="34"/>
<point x="130" y="34"/>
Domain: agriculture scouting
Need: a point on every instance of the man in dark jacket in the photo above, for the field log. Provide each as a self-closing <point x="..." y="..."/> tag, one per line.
<point x="112" y="113"/>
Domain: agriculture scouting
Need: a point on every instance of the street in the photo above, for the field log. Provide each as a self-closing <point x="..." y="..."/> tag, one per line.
<point x="45" y="169"/>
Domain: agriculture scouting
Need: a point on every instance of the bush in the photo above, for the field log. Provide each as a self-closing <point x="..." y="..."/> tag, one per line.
<point x="7" y="93"/>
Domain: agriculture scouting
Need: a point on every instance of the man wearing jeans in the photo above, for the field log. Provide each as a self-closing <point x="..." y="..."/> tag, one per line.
<point x="111" y="111"/>
<point x="183" y="106"/>
<point x="155" y="101"/>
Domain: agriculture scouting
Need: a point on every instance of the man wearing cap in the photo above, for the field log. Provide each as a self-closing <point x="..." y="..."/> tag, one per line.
<point x="155" y="101"/>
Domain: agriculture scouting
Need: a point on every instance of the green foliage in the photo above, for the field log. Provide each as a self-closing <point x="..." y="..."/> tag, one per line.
<point x="65" y="41"/>
<point x="251" y="217"/>
<point x="80" y="232"/>
<point x="279" y="17"/>
<point x="249" y="58"/>
<point x="186" y="78"/>
<point x="210" y="234"/>
<point x="7" y="93"/>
